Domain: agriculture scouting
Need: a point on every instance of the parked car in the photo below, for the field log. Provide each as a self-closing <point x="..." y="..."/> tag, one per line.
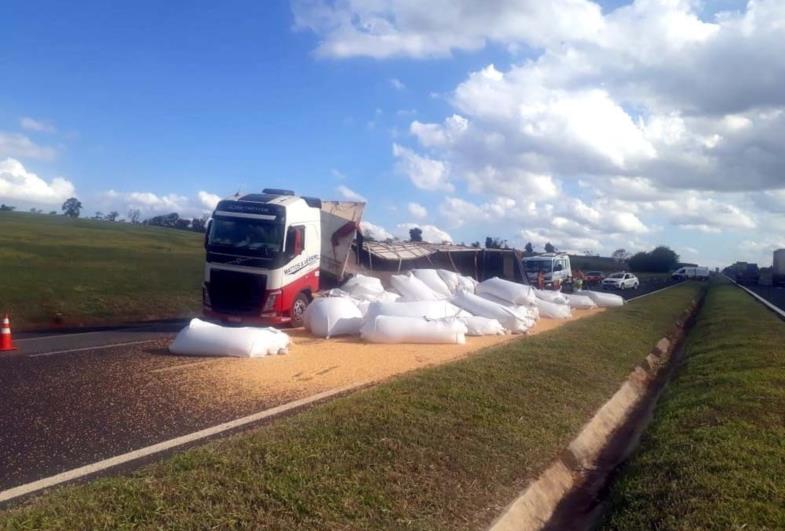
<point x="592" y="277"/>
<point x="621" y="280"/>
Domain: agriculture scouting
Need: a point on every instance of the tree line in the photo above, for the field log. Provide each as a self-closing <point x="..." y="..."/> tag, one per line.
<point x="72" y="208"/>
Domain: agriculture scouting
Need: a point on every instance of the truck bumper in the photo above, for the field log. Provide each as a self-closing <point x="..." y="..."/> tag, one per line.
<point x="245" y="320"/>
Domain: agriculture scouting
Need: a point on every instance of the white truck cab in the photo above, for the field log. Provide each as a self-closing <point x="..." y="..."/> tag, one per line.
<point x="554" y="266"/>
<point x="265" y="254"/>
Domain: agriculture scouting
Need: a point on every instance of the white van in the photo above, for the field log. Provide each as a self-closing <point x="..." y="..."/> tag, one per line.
<point x="555" y="267"/>
<point x="697" y="273"/>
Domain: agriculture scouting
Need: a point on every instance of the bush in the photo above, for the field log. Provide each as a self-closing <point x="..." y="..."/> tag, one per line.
<point x="661" y="260"/>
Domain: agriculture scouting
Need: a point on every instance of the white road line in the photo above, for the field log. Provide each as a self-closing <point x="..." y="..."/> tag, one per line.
<point x="97" y="347"/>
<point x="769" y="305"/>
<point x="105" y="464"/>
<point x="54" y="336"/>
<point x="652" y="292"/>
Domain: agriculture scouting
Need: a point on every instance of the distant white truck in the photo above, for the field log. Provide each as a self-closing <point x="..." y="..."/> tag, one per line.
<point x="696" y="273"/>
<point x="555" y="267"/>
<point x="268" y="254"/>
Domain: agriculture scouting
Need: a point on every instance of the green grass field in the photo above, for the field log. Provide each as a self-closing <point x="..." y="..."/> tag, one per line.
<point x="714" y="455"/>
<point x="55" y="269"/>
<point x="442" y="448"/>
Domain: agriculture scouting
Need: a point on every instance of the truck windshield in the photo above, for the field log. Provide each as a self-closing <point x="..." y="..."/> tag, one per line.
<point x="546" y="266"/>
<point x="245" y="236"/>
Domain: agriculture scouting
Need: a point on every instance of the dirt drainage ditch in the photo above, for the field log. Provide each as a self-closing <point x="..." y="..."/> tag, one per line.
<point x="569" y="493"/>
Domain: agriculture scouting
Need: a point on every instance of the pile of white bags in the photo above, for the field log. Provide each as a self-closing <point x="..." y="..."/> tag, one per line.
<point x="399" y="329"/>
<point x="412" y="288"/>
<point x="553" y="310"/>
<point x="201" y="338"/>
<point x="513" y="319"/>
<point x="431" y="278"/>
<point x="604" y="300"/>
<point x="333" y="316"/>
<point x="518" y="294"/>
<point x="581" y="302"/>
<point x="363" y="287"/>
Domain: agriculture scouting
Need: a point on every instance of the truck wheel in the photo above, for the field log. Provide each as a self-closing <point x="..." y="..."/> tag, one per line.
<point x="298" y="309"/>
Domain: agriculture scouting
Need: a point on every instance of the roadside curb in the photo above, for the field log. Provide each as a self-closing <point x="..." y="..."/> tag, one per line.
<point x="579" y="464"/>
<point x="780" y="313"/>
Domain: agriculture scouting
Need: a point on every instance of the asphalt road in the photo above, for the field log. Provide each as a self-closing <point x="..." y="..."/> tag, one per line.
<point x="776" y="296"/>
<point x="647" y="285"/>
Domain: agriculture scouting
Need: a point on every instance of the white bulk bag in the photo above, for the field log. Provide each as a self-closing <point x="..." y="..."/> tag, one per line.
<point x="363" y="287"/>
<point x="510" y="318"/>
<point x="333" y="316"/>
<point x="201" y="338"/>
<point x="432" y="279"/>
<point x="604" y="300"/>
<point x="451" y="279"/>
<point x="581" y="302"/>
<point x="427" y="309"/>
<point x="551" y="296"/>
<point x="477" y="325"/>
<point x="509" y="291"/>
<point x="467" y="283"/>
<point x="552" y="310"/>
<point x="397" y="329"/>
<point x="413" y="289"/>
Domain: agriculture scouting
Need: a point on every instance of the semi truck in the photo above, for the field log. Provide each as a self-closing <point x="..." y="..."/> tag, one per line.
<point x="778" y="268"/>
<point x="269" y="253"/>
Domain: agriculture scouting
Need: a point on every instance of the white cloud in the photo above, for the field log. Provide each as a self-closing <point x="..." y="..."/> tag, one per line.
<point x="38" y="126"/>
<point x="18" y="145"/>
<point x="338" y="174"/>
<point x="376" y="232"/>
<point x="417" y="210"/>
<point x="349" y="194"/>
<point x="425" y="173"/>
<point x="389" y="28"/>
<point x="397" y="84"/>
<point x="17" y="183"/>
<point x="208" y="200"/>
<point x="430" y="233"/>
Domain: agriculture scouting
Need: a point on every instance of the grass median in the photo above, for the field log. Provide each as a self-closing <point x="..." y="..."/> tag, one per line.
<point x="447" y="447"/>
<point x="56" y="270"/>
<point x="714" y="455"/>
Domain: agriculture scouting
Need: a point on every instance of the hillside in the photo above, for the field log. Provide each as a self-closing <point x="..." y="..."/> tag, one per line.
<point x="61" y="271"/>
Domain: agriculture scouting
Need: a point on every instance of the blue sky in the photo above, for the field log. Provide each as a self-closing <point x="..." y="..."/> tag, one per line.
<point x="147" y="104"/>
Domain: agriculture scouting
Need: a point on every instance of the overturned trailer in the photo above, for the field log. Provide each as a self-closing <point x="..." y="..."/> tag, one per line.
<point x="383" y="259"/>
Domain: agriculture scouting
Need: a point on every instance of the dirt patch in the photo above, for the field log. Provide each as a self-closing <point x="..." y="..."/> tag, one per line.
<point x="314" y="365"/>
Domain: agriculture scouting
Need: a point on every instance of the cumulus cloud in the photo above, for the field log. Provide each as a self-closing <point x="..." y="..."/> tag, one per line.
<point x="389" y="28"/>
<point x="208" y="200"/>
<point x="417" y="210"/>
<point x="397" y="84"/>
<point x="19" y="145"/>
<point x="39" y="126"/>
<point x="349" y="194"/>
<point x="18" y="183"/>
<point x="375" y="232"/>
<point x="430" y="233"/>
<point x="425" y="173"/>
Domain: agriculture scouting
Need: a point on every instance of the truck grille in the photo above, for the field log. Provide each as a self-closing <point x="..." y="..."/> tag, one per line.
<point x="236" y="293"/>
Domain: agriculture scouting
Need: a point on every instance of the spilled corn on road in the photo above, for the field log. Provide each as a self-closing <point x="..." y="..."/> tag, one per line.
<point x="68" y="407"/>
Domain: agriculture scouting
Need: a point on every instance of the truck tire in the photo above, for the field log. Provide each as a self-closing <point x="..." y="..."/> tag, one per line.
<point x="298" y="309"/>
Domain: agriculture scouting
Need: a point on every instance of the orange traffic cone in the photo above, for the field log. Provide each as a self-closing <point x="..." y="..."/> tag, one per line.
<point x="6" y="342"/>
